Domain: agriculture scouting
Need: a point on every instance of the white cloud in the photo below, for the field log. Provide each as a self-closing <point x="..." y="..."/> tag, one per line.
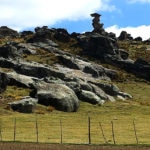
<point x="20" y="14"/>
<point x="142" y="31"/>
<point x="136" y="1"/>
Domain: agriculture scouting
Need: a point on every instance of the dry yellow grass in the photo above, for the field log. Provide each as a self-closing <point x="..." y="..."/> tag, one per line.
<point x="75" y="125"/>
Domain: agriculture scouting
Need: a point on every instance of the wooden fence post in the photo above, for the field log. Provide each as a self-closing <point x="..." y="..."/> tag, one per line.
<point x="135" y="132"/>
<point x="1" y="130"/>
<point x="37" y="131"/>
<point x="61" y="134"/>
<point x="102" y="132"/>
<point x="89" y="129"/>
<point x="113" y="134"/>
<point x="14" y="129"/>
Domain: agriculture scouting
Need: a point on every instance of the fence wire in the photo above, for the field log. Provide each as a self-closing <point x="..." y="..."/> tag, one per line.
<point x="76" y="131"/>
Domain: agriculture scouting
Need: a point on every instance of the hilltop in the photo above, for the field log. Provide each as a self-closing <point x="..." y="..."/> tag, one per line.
<point x="53" y="68"/>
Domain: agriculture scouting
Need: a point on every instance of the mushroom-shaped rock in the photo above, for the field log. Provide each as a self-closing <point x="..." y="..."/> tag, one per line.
<point x="59" y="96"/>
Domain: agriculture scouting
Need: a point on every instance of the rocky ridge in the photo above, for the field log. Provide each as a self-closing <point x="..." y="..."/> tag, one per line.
<point x="72" y="79"/>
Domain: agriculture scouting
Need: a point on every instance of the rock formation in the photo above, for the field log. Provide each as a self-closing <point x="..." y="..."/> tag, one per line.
<point x="125" y="36"/>
<point x="5" y="31"/>
<point x="26" y="105"/>
<point x="105" y="48"/>
<point x="98" y="27"/>
<point x="63" y="85"/>
<point x="73" y="78"/>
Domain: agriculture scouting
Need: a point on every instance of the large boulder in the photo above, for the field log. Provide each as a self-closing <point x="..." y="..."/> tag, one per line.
<point x="59" y="96"/>
<point x="26" y="105"/>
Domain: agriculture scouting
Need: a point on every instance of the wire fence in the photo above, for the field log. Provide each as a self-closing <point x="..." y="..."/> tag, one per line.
<point x="86" y="130"/>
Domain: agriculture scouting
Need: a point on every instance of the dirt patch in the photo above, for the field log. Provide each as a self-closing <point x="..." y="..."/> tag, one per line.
<point x="35" y="146"/>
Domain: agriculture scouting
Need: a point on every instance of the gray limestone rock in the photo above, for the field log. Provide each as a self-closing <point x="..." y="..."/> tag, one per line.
<point x="59" y="96"/>
<point x="26" y="105"/>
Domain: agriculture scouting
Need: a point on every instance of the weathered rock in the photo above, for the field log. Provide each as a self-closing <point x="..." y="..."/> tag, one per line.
<point x="41" y="34"/>
<point x="3" y="82"/>
<point x="37" y="70"/>
<point x="7" y="63"/>
<point x="59" y="96"/>
<point x="94" y="69"/>
<point x="61" y="85"/>
<point x="69" y="62"/>
<point x="26" y="33"/>
<point x="109" y="89"/>
<point x="75" y="86"/>
<point x="140" y="61"/>
<point x="139" y="39"/>
<point x="99" y="92"/>
<point x="5" y="31"/>
<point x="98" y="27"/>
<point x="20" y="80"/>
<point x="9" y="51"/>
<point x="137" y="68"/>
<point x="124" y="96"/>
<point x="125" y="36"/>
<point x="90" y="97"/>
<point x="26" y="105"/>
<point x="62" y="35"/>
<point x="97" y="45"/>
<point x="27" y="48"/>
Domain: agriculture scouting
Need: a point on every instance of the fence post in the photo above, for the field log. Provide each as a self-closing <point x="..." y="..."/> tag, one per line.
<point x="37" y="131"/>
<point x="61" y="134"/>
<point x="1" y="130"/>
<point x="135" y="132"/>
<point x="14" y="129"/>
<point x="102" y="132"/>
<point x="113" y="134"/>
<point x="89" y="129"/>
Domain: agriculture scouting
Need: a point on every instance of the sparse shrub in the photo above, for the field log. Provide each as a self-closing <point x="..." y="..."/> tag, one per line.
<point x="50" y="108"/>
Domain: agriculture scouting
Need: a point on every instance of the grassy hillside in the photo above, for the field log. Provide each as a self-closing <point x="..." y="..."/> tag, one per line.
<point x="121" y="112"/>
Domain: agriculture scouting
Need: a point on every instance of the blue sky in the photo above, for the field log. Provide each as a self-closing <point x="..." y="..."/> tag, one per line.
<point x="74" y="15"/>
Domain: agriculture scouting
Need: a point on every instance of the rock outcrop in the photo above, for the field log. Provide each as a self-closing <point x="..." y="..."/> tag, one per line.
<point x="125" y="36"/>
<point x="5" y="31"/>
<point x="72" y="79"/>
<point x="26" y="105"/>
<point x="61" y="85"/>
<point x="104" y="47"/>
